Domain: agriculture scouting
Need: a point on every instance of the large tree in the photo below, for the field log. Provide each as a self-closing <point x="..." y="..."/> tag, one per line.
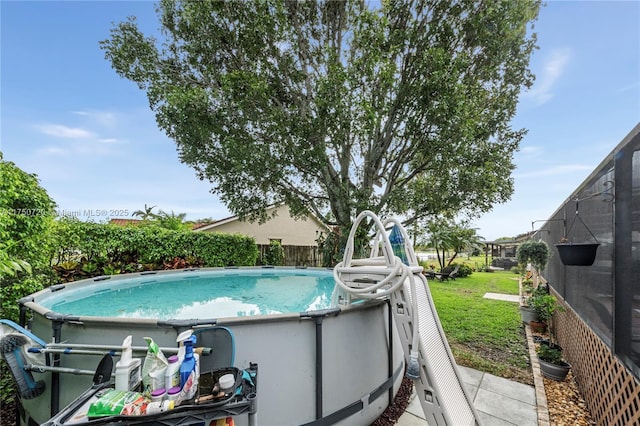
<point x="339" y="106"/>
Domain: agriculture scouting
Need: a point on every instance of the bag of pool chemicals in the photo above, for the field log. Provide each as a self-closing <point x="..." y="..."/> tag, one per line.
<point x="117" y="402"/>
<point x="154" y="368"/>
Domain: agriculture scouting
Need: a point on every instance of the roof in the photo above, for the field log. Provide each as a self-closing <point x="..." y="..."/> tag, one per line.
<point x="201" y="225"/>
<point x="125" y="222"/>
<point x="217" y="223"/>
<point x="501" y="242"/>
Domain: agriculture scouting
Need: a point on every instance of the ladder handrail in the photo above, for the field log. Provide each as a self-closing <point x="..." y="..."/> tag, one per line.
<point x="384" y="273"/>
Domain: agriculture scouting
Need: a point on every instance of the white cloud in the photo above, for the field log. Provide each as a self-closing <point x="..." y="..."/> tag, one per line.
<point x="552" y="68"/>
<point x="530" y="151"/>
<point x="556" y="170"/>
<point x="61" y="131"/>
<point x="52" y="150"/>
<point x="629" y="87"/>
<point x="106" y="119"/>
<point x="109" y="140"/>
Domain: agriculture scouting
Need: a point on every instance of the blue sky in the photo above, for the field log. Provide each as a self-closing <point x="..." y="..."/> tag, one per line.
<point x="93" y="142"/>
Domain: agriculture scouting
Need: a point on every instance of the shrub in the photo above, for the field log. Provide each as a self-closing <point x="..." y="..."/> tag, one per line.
<point x="274" y="255"/>
<point x="534" y="252"/>
<point x="108" y="249"/>
<point x="463" y="271"/>
<point x="504" y="262"/>
<point x="26" y="215"/>
<point x="550" y="354"/>
<point x="332" y="245"/>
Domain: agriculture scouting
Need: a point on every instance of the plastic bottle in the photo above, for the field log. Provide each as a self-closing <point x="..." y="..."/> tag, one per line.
<point x="128" y="369"/>
<point x="189" y="367"/>
<point x="157" y="407"/>
<point x="158" y="394"/>
<point x="173" y="393"/>
<point x="153" y="368"/>
<point x="172" y="375"/>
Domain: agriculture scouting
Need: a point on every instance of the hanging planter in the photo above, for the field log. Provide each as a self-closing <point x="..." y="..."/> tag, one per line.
<point x="578" y="254"/>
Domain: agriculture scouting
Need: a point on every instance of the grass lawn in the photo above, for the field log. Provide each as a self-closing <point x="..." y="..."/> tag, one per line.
<point x="484" y="334"/>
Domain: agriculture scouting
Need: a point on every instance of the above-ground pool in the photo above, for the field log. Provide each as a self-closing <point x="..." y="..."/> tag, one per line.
<point x="318" y="365"/>
<point x="199" y="294"/>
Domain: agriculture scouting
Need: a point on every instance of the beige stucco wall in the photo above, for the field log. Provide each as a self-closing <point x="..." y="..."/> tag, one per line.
<point x="282" y="227"/>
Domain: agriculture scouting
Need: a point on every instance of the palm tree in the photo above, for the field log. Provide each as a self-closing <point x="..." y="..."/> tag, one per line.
<point x="445" y="237"/>
<point x="171" y="220"/>
<point x="146" y="214"/>
<point x="439" y="239"/>
<point x="463" y="238"/>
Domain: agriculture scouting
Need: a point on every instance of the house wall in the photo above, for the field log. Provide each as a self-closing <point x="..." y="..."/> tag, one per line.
<point x="283" y="227"/>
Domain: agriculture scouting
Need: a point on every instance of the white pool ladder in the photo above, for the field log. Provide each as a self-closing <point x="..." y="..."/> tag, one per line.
<point x="392" y="270"/>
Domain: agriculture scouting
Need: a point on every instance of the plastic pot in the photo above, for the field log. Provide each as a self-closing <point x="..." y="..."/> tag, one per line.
<point x="577" y="254"/>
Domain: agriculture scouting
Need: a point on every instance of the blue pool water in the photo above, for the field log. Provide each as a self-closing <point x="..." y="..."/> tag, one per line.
<point x="199" y="294"/>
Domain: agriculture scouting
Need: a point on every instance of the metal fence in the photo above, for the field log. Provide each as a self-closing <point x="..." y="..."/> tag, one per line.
<point x="606" y="208"/>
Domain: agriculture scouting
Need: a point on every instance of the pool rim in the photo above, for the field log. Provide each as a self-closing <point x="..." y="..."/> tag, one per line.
<point x="31" y="302"/>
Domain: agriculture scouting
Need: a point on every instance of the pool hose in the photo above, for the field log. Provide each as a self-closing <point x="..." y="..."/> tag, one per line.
<point x="399" y="270"/>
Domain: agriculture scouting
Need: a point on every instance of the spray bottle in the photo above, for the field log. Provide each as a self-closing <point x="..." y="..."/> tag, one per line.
<point x="128" y="375"/>
<point x="189" y="369"/>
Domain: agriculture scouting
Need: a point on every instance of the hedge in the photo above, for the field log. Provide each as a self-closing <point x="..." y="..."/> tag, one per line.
<point x="109" y="248"/>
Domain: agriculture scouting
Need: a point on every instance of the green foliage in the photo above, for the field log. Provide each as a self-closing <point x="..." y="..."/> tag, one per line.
<point x="543" y="303"/>
<point x="464" y="270"/>
<point x="172" y="220"/>
<point x="518" y="270"/>
<point x="544" y="306"/>
<point x="111" y="269"/>
<point x="550" y="354"/>
<point x="450" y="239"/>
<point x="335" y="107"/>
<point x="96" y="248"/>
<point x="146" y="214"/>
<point x="9" y="295"/>
<point x="535" y="252"/>
<point x="26" y="213"/>
<point x="274" y="255"/>
<point x="332" y="246"/>
<point x="527" y="286"/>
<point x="331" y="249"/>
<point x="9" y="267"/>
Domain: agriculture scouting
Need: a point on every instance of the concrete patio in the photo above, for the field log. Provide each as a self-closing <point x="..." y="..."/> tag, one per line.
<point x="498" y="401"/>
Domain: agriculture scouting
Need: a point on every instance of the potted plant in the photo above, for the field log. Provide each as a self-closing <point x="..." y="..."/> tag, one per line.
<point x="527" y="286"/>
<point x="526" y="310"/>
<point x="534" y="252"/>
<point x="527" y="313"/>
<point x="544" y="305"/>
<point x="551" y="363"/>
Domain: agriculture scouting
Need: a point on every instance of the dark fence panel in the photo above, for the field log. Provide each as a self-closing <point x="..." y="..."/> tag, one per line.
<point x="606" y="295"/>
<point x="589" y="290"/>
